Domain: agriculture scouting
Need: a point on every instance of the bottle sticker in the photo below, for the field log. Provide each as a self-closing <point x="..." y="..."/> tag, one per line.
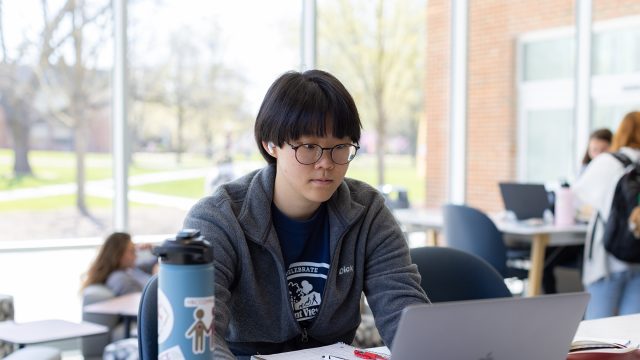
<point x="203" y="325"/>
<point x="172" y="353"/>
<point x="165" y="318"/>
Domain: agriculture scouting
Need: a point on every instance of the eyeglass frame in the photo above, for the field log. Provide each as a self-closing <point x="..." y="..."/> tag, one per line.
<point x="322" y="150"/>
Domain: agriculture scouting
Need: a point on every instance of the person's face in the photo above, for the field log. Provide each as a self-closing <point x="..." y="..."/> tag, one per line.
<point x="597" y="147"/>
<point x="129" y="257"/>
<point x="300" y="189"/>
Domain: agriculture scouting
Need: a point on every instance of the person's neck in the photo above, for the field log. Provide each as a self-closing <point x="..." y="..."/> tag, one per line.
<point x="297" y="210"/>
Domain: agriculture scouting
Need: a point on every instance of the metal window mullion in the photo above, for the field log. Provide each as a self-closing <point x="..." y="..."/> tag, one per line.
<point x="308" y="38"/>
<point x="119" y="117"/>
<point x="582" y="82"/>
<point x="458" y="103"/>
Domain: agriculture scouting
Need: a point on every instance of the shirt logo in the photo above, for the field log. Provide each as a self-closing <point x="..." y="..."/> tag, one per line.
<point x="345" y="269"/>
<point x="303" y="278"/>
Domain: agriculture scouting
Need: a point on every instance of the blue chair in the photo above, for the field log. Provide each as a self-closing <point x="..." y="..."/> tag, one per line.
<point x="148" y="321"/>
<point x="472" y="231"/>
<point x="453" y="275"/>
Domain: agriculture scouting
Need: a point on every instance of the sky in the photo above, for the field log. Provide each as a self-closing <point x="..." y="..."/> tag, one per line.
<point x="257" y="38"/>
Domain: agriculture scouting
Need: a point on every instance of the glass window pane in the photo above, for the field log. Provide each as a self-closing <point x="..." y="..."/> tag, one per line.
<point x="549" y="59"/>
<point x="549" y="145"/>
<point x="376" y="48"/>
<point x="616" y="51"/>
<point x="199" y="72"/>
<point x="55" y="147"/>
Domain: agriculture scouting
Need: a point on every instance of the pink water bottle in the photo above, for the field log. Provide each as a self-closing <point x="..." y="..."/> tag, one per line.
<point x="564" y="211"/>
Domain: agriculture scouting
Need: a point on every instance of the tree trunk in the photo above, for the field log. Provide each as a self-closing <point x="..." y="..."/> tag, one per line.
<point x="381" y="135"/>
<point x="180" y="136"/>
<point x="19" y="125"/>
<point x="20" y="131"/>
<point x="81" y="150"/>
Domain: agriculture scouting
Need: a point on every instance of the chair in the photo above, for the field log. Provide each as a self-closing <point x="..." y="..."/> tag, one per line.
<point x="148" y="321"/>
<point x="472" y="231"/>
<point x="452" y="275"/>
<point x="93" y="346"/>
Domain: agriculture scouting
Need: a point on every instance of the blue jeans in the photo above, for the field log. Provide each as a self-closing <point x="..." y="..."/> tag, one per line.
<point x="618" y="294"/>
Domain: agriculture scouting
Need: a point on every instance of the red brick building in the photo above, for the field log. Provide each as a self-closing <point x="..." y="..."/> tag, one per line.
<point x="495" y="33"/>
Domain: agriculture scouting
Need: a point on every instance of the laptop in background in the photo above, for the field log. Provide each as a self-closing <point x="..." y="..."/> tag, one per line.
<point x="526" y="201"/>
<point x="532" y="328"/>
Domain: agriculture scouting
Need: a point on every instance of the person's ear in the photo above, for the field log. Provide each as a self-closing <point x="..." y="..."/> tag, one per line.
<point x="270" y="148"/>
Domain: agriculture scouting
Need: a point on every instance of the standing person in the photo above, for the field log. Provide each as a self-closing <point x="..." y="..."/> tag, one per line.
<point x="296" y="243"/>
<point x="599" y="142"/>
<point x="614" y="284"/>
<point x="116" y="267"/>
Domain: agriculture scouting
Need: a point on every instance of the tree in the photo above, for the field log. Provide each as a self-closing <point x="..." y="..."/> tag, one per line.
<point x="376" y="49"/>
<point x="55" y="78"/>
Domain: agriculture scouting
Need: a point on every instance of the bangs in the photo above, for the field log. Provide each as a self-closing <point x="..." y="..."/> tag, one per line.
<point x="313" y="113"/>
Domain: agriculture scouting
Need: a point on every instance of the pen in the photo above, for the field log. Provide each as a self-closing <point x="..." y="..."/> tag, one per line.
<point x="369" y="355"/>
<point x="333" y="357"/>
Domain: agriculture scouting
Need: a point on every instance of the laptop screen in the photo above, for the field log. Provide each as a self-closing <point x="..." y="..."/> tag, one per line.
<point x="531" y="328"/>
<point x="526" y="201"/>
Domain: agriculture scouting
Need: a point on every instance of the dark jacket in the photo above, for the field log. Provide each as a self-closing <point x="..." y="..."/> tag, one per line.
<point x="253" y="312"/>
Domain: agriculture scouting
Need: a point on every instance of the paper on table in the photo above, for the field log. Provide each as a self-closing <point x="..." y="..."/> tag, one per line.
<point x="340" y="350"/>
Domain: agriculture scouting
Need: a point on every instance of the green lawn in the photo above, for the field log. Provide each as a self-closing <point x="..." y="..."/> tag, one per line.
<point x="58" y="167"/>
<point x="400" y="170"/>
<point x="52" y="168"/>
<point x="191" y="188"/>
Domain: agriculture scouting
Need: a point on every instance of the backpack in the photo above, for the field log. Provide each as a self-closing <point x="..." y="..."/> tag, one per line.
<point x="622" y="230"/>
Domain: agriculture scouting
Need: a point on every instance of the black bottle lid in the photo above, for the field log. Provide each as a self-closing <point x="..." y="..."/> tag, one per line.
<point x="187" y="248"/>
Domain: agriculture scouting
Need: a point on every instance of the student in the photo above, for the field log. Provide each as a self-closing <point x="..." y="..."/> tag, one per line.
<point x="614" y="284"/>
<point x="296" y="243"/>
<point x="599" y="142"/>
<point x="115" y="266"/>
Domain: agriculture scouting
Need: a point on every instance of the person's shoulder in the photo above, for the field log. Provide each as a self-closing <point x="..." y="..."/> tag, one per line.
<point x="362" y="192"/>
<point x="234" y="191"/>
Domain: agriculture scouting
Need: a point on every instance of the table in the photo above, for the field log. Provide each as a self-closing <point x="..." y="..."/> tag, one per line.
<point x="540" y="236"/>
<point x="125" y="306"/>
<point x="626" y="327"/>
<point x="47" y="330"/>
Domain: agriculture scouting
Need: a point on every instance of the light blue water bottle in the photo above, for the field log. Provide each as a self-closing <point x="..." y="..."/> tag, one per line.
<point x="186" y="321"/>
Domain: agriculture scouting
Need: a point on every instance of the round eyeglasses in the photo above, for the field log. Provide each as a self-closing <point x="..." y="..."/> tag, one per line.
<point x="308" y="154"/>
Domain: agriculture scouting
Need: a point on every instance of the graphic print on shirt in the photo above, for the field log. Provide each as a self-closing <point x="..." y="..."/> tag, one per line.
<point x="303" y="278"/>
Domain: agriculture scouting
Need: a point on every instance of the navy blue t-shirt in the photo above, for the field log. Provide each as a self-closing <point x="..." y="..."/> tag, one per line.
<point x="305" y="248"/>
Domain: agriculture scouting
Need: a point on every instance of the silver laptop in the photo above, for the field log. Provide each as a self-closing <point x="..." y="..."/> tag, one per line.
<point x="535" y="328"/>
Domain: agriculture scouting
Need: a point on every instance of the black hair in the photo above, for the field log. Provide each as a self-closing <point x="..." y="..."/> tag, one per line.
<point x="299" y="104"/>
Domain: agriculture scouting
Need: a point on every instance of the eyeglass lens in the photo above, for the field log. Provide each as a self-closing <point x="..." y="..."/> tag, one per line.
<point x="311" y="153"/>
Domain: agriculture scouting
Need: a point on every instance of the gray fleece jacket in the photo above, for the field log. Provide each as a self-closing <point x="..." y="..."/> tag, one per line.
<point x="253" y="314"/>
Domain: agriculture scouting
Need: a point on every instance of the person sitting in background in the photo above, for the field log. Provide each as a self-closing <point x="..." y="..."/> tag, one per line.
<point x="614" y="284"/>
<point x="115" y="266"/>
<point x="599" y="142"/>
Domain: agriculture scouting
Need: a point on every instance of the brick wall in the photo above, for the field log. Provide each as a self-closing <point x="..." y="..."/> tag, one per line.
<point x="494" y="27"/>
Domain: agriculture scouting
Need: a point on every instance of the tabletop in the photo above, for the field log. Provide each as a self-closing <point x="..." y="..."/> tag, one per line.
<point x="626" y="327"/>
<point x="122" y="305"/>
<point x="47" y="330"/>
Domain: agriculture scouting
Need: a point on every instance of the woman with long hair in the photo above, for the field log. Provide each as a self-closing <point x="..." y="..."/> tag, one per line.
<point x="115" y="266"/>
<point x="614" y="284"/>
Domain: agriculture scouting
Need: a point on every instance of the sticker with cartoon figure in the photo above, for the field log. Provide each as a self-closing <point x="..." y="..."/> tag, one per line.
<point x="203" y="325"/>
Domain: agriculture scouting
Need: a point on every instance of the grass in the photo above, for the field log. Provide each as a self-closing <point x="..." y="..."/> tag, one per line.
<point x="51" y="203"/>
<point x="191" y="188"/>
<point x="53" y="168"/>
